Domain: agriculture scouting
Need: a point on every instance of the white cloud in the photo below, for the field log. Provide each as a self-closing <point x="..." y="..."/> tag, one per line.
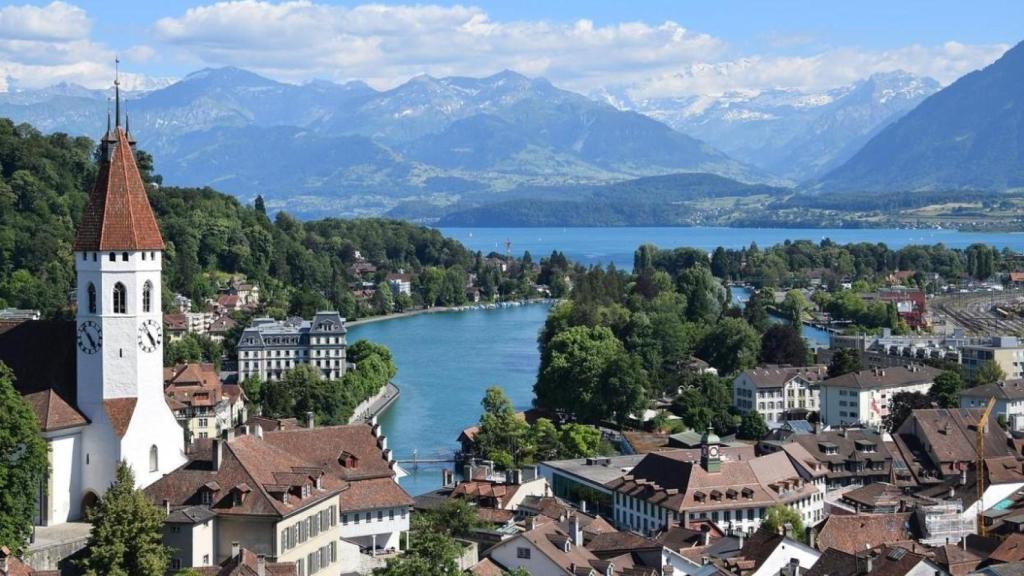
<point x="298" y="40"/>
<point x="386" y="45"/>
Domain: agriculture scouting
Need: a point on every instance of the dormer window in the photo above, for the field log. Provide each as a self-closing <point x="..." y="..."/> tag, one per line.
<point x="305" y="490"/>
<point x="205" y="497"/>
<point x="348" y="460"/>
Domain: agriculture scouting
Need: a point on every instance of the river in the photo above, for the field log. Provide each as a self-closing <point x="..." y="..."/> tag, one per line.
<point x="446" y="361"/>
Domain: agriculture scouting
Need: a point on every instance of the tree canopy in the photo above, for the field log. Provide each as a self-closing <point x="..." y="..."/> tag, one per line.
<point x="26" y="461"/>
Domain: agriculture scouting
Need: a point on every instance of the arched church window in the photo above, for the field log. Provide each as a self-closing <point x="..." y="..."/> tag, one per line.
<point x="154" y="461"/>
<point x="113" y="257"/>
<point x="147" y="296"/>
<point x="91" y="295"/>
<point x="124" y="256"/>
<point x="120" y="299"/>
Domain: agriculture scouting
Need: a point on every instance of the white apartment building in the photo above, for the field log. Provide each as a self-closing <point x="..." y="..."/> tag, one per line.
<point x="270" y="348"/>
<point x="1009" y="397"/>
<point x="864" y="397"/>
<point x="775" y="391"/>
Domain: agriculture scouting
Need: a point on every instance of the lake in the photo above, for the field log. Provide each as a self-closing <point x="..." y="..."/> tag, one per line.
<point x="446" y="361"/>
<point x="605" y="245"/>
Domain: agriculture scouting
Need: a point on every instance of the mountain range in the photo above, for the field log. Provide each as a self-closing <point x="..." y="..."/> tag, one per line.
<point x="970" y="135"/>
<point x="794" y="134"/>
<point x="351" y="149"/>
<point x="449" y="147"/>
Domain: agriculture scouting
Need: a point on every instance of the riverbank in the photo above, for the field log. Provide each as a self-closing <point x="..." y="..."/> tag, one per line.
<point x="446" y="309"/>
<point x="376" y="405"/>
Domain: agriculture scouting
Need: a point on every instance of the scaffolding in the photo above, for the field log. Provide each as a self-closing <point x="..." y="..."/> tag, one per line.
<point x="944" y="523"/>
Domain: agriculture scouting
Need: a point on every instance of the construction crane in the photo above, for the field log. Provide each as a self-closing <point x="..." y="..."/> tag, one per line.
<point x="980" y="467"/>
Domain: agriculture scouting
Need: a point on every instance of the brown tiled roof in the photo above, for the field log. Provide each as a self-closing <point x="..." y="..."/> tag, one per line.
<point x="372" y="494"/>
<point x="845" y="443"/>
<point x="1011" y="549"/>
<point x="890" y="377"/>
<point x="951" y="434"/>
<point x="760" y="546"/>
<point x="221" y="325"/>
<point x="486" y="567"/>
<point x="956" y="561"/>
<point x="494" y="515"/>
<point x="175" y="322"/>
<point x="119" y="412"/>
<point x="543" y="538"/>
<point x="771" y="376"/>
<point x="1006" y="390"/>
<point x="193" y="384"/>
<point x="245" y="565"/>
<point x="52" y="412"/>
<point x="118" y="215"/>
<point x="324" y="445"/>
<point x="245" y="460"/>
<point x="854" y="532"/>
<point x="669" y="480"/>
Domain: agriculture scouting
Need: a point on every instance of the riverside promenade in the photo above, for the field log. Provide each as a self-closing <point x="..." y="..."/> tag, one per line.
<point x="375" y="406"/>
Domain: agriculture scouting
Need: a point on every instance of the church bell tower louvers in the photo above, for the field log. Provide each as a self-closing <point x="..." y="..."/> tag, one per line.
<point x="118" y="253"/>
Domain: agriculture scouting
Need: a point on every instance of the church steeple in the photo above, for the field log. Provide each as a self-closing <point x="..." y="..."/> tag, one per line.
<point x="118" y="216"/>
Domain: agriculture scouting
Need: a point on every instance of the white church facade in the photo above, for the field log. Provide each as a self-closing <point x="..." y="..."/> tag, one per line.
<point x="97" y="386"/>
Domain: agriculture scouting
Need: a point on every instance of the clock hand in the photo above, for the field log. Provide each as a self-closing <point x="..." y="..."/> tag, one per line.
<point x="92" y="343"/>
<point x="152" y="341"/>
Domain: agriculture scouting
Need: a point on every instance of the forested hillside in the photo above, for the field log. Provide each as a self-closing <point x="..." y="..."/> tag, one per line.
<point x="44" y="183"/>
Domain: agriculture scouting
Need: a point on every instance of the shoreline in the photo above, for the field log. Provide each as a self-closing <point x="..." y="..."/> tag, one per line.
<point x="446" y="309"/>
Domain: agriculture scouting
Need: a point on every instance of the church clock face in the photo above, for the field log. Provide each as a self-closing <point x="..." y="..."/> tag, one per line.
<point x="713" y="451"/>
<point x="149" y="335"/>
<point x="90" y="337"/>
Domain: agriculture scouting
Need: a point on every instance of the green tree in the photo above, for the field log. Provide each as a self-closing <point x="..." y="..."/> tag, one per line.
<point x="989" y="373"/>
<point x="793" y="307"/>
<point x="946" y="389"/>
<point x="126" y="537"/>
<point x="756" y="310"/>
<point x="580" y="441"/>
<point x="383" y="299"/>
<point x="545" y="440"/>
<point x="783" y="344"/>
<point x="776" y="517"/>
<point x="501" y="434"/>
<point x="900" y="407"/>
<point x="752" y="426"/>
<point x="429" y="554"/>
<point x="253" y="387"/>
<point x="572" y="366"/>
<point x="844" y="361"/>
<point x="454" y="517"/>
<point x="622" y="388"/>
<point x="731" y="346"/>
<point x="25" y="462"/>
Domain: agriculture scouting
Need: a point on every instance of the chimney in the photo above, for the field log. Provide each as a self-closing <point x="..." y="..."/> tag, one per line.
<point x="261" y="565"/>
<point x="741" y="538"/>
<point x="577" y="532"/>
<point x="167" y="507"/>
<point x="812" y="538"/>
<point x="218" y="453"/>
<point x="787" y="530"/>
<point x="236" y="549"/>
<point x="310" y="419"/>
<point x="705" y="535"/>
<point x="869" y="564"/>
<point x="963" y="476"/>
<point x="583" y="506"/>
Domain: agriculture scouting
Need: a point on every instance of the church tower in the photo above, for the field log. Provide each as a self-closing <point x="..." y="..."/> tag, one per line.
<point x="118" y="254"/>
<point x="710" y="459"/>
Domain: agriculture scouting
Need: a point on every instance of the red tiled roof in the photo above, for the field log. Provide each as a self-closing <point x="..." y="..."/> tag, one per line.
<point x="1011" y="550"/>
<point x="119" y="412"/>
<point x="175" y="321"/>
<point x="373" y="494"/>
<point x="118" y="215"/>
<point x="52" y="412"/>
<point x="853" y="533"/>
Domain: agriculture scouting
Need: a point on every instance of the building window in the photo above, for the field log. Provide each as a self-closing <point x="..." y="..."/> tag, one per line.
<point x="206" y="559"/>
<point x="91" y="295"/>
<point x="154" y="460"/>
<point x="147" y="296"/>
<point x="175" y="563"/>
<point x="124" y="256"/>
<point x="120" y="299"/>
<point x="523" y="553"/>
<point x="113" y="257"/>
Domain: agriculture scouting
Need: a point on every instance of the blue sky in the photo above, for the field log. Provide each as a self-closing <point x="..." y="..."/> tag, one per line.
<point x="650" y="48"/>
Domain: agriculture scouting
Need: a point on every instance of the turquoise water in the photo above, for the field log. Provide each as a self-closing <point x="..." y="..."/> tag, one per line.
<point x="816" y="336"/>
<point x="605" y="245"/>
<point x="445" y="363"/>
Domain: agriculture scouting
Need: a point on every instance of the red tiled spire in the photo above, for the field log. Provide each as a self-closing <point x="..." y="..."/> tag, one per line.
<point x="118" y="216"/>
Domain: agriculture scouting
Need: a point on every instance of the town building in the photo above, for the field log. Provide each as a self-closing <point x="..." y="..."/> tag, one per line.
<point x="849" y="457"/>
<point x="1009" y="404"/>
<point x="311" y="497"/>
<point x="246" y="563"/>
<point x="911" y="304"/>
<point x="887" y="560"/>
<point x="864" y="397"/>
<point x="399" y="283"/>
<point x="1006" y="351"/>
<point x="665" y="489"/>
<point x="98" y="396"/>
<point x="203" y="405"/>
<point x="768" y="553"/>
<point x="778" y="391"/>
<point x="269" y="348"/>
<point x="941" y="443"/>
<point x="582" y="481"/>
